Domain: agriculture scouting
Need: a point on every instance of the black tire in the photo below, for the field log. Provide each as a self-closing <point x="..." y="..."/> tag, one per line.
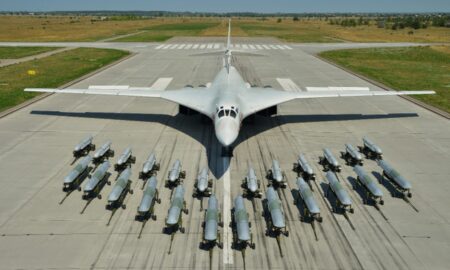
<point x="99" y="196"/>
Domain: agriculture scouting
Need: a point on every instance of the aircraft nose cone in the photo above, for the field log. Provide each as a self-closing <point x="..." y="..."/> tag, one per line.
<point x="227" y="130"/>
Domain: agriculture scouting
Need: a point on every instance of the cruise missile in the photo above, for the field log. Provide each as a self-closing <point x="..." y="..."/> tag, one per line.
<point x="175" y="175"/>
<point x="202" y="184"/>
<point x="151" y="195"/>
<point x="125" y="160"/>
<point x="120" y="190"/>
<point x="276" y="222"/>
<point x="351" y="156"/>
<point x="251" y="184"/>
<point x="329" y="161"/>
<point x="403" y="185"/>
<point x="83" y="147"/>
<point x="76" y="176"/>
<point x="311" y="208"/>
<point x="95" y="184"/>
<point x="212" y="221"/>
<point x="240" y="224"/>
<point x="302" y="168"/>
<point x="371" y="187"/>
<point x="174" y="219"/>
<point x="275" y="175"/>
<point x="370" y="149"/>
<point x="343" y="199"/>
<point x="150" y="167"/>
<point x="103" y="153"/>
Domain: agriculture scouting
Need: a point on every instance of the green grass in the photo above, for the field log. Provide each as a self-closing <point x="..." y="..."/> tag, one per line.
<point x="52" y="72"/>
<point x="164" y="32"/>
<point x="409" y="68"/>
<point x="19" y="52"/>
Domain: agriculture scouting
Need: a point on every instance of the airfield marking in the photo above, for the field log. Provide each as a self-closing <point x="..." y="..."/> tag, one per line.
<point x="161" y="83"/>
<point x="281" y="47"/>
<point x="287" y="47"/>
<point x="273" y="47"/>
<point x="216" y="46"/>
<point x="188" y="47"/>
<point x="227" y="235"/>
<point x="202" y="46"/>
<point x="195" y="46"/>
<point x="209" y="46"/>
<point x="159" y="47"/>
<point x="181" y="46"/>
<point x="252" y="47"/>
<point x="266" y="47"/>
<point x="259" y="47"/>
<point x="244" y="46"/>
<point x="288" y="85"/>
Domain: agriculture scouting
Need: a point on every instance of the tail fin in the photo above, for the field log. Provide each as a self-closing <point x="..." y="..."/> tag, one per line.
<point x="229" y="35"/>
<point x="227" y="56"/>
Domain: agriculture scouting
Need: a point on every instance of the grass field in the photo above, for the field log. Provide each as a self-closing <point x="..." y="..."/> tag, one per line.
<point x="65" y="28"/>
<point x="409" y="68"/>
<point x="19" y="52"/>
<point x="51" y="72"/>
<point x="165" y="31"/>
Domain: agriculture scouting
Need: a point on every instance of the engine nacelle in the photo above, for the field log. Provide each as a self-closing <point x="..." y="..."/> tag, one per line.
<point x="186" y="111"/>
<point x="269" y="111"/>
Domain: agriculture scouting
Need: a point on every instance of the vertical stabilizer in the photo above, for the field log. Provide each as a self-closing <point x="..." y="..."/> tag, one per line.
<point x="227" y="58"/>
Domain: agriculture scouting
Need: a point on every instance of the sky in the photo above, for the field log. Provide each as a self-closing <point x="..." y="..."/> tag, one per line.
<point x="231" y="5"/>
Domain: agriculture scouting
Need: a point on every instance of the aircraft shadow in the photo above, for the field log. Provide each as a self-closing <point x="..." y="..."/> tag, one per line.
<point x="204" y="133"/>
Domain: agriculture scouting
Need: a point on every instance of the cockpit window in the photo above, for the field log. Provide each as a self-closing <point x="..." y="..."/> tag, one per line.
<point x="221" y="113"/>
<point x="233" y="114"/>
<point x="227" y="112"/>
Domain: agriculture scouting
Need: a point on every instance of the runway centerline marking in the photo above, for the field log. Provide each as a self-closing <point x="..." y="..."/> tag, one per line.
<point x="288" y="85"/>
<point x="161" y="83"/>
<point x="227" y="235"/>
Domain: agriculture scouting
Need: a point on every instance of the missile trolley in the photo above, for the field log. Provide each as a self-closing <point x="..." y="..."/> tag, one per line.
<point x="203" y="184"/>
<point x="251" y="185"/>
<point x="370" y="149"/>
<point x="211" y="223"/>
<point x="146" y="208"/>
<point x="176" y="175"/>
<point x="120" y="190"/>
<point x="371" y="187"/>
<point x="402" y="185"/>
<point x="351" y="155"/>
<point x="302" y="168"/>
<point x="96" y="182"/>
<point x="240" y="224"/>
<point x="150" y="167"/>
<point x="328" y="161"/>
<point x="174" y="219"/>
<point x="310" y="206"/>
<point x="275" y="175"/>
<point x="275" y="214"/>
<point x="125" y="160"/>
<point x="83" y="147"/>
<point x="343" y="199"/>
<point x="104" y="152"/>
<point x="74" y="179"/>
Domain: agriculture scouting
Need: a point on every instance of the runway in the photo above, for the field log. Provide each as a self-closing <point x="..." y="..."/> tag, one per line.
<point x="36" y="152"/>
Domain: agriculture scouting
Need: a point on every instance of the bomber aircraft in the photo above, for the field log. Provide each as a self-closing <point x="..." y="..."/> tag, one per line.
<point x="228" y="100"/>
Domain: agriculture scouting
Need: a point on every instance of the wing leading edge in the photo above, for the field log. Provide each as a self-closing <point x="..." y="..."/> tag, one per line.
<point x="258" y="99"/>
<point x="198" y="99"/>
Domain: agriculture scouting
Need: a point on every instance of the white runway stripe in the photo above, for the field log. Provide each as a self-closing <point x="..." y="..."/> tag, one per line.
<point x="216" y="46"/>
<point x="244" y="46"/>
<point x="181" y="46"/>
<point x="188" y="46"/>
<point x="238" y="46"/>
<point x="281" y="47"/>
<point x="288" y="85"/>
<point x="259" y="47"/>
<point x="166" y="46"/>
<point x="252" y="47"/>
<point x="209" y="46"/>
<point x="173" y="46"/>
<point x="159" y="47"/>
<point x="161" y="83"/>
<point x="273" y="47"/>
<point x="195" y="46"/>
<point x="287" y="47"/>
<point x="202" y="46"/>
<point x="266" y="47"/>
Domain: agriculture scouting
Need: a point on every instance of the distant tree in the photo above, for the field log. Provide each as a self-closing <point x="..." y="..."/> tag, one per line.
<point x="295" y="19"/>
<point x="279" y="20"/>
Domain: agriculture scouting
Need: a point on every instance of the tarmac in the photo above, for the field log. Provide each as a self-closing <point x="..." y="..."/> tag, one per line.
<point x="36" y="232"/>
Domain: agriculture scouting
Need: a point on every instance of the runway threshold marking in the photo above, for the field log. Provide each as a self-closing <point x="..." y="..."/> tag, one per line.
<point x="227" y="234"/>
<point x="161" y="83"/>
<point x="288" y="85"/>
<point x="159" y="47"/>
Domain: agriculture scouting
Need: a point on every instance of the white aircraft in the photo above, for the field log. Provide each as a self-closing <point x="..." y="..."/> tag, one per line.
<point x="228" y="100"/>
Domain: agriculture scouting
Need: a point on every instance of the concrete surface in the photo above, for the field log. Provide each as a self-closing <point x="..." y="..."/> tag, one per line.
<point x="35" y="155"/>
